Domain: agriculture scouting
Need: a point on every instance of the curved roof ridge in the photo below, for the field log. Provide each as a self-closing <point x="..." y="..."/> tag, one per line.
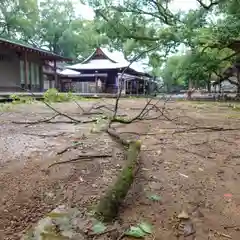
<point x="94" y="52"/>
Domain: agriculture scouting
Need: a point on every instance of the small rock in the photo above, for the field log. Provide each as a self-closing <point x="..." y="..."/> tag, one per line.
<point x="94" y="185"/>
<point x="183" y="215"/>
<point x="159" y="152"/>
<point x="50" y="194"/>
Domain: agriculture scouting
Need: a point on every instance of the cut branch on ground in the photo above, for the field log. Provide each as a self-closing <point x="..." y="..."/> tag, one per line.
<point x="109" y="204"/>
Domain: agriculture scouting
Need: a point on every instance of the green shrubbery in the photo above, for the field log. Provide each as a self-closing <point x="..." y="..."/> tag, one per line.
<point x="52" y="95"/>
<point x="16" y="99"/>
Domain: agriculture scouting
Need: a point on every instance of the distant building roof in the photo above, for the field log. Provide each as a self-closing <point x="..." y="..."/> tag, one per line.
<point x="24" y="47"/>
<point x="102" y="59"/>
<point x="69" y="73"/>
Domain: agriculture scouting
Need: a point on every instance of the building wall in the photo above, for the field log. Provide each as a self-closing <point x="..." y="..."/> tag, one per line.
<point x="12" y="71"/>
<point x="9" y="70"/>
<point x="226" y="86"/>
<point x="35" y="72"/>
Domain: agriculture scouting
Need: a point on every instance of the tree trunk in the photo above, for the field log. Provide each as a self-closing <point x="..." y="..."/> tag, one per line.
<point x="209" y="83"/>
<point x="238" y="85"/>
<point x="108" y="206"/>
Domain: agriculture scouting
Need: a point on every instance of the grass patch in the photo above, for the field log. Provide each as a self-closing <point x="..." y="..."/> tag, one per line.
<point x="6" y="107"/>
<point x="16" y="99"/>
<point x="52" y="95"/>
<point x="233" y="116"/>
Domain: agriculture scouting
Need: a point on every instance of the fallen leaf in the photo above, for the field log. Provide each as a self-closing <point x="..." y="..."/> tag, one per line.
<point x="136" y="232"/>
<point x="228" y="195"/>
<point x="146" y="227"/>
<point x="154" y="197"/>
<point x="183" y="215"/>
<point x="99" y="228"/>
<point x="183" y="175"/>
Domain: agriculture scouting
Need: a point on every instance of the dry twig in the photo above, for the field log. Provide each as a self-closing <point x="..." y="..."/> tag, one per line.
<point x="81" y="157"/>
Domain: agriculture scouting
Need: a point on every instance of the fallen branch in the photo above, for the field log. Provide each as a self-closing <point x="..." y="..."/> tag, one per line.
<point x="222" y="234"/>
<point x="39" y="121"/>
<point x="44" y="135"/>
<point x="206" y="129"/>
<point x="69" y="147"/>
<point x="116" y="136"/>
<point x="108" y="206"/>
<point x="82" y="157"/>
<point x="60" y="121"/>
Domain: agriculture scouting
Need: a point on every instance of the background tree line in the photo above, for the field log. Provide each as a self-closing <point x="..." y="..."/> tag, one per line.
<point x="49" y="24"/>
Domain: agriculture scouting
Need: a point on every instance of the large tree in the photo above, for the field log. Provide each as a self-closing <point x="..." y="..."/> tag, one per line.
<point x="18" y="18"/>
<point x="150" y="24"/>
<point x="50" y="24"/>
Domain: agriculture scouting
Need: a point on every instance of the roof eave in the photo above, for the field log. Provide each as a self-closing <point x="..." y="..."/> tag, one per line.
<point x="45" y="55"/>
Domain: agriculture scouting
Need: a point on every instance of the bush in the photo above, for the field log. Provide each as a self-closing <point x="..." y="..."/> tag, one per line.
<point x="52" y="95"/>
<point x="16" y="99"/>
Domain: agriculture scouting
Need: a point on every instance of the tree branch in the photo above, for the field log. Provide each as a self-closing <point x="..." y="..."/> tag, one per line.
<point x="208" y="7"/>
<point x="81" y="157"/>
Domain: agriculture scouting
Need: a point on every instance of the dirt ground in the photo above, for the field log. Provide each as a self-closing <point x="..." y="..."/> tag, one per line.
<point x="197" y="171"/>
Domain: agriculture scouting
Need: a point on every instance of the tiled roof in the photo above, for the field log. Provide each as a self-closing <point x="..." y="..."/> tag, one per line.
<point x="28" y="48"/>
<point x="115" y="60"/>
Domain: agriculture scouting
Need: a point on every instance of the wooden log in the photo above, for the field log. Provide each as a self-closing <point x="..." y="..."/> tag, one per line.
<point x="108" y="206"/>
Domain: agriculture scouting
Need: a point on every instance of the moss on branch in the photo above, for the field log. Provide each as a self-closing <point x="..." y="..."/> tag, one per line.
<point x="108" y="206"/>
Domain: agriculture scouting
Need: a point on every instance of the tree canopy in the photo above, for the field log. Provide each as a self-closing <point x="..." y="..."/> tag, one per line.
<point x="207" y="34"/>
<point x="50" y="24"/>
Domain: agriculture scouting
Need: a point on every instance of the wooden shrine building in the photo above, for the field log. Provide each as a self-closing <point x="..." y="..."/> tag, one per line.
<point x="101" y="72"/>
<point x="22" y="67"/>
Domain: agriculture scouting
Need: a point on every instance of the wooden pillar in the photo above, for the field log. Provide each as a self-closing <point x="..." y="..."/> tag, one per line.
<point x="137" y="86"/>
<point x="144" y="89"/>
<point x="25" y="71"/>
<point x="55" y="75"/>
<point x="96" y="84"/>
<point x="41" y="78"/>
<point x="124" y="86"/>
<point x="118" y="83"/>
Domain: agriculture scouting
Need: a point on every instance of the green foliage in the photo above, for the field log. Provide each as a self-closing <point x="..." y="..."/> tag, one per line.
<point x="100" y="124"/>
<point x="136" y="232"/>
<point x="52" y="95"/>
<point x="5" y="107"/>
<point x="139" y="231"/>
<point x="146" y="227"/>
<point x="154" y="197"/>
<point x="98" y="227"/>
<point x="206" y="32"/>
<point x="17" y="99"/>
<point x="65" y="33"/>
<point x="108" y="206"/>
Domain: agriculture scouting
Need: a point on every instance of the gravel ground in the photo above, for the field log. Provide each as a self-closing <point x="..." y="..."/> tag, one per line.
<point x="198" y="171"/>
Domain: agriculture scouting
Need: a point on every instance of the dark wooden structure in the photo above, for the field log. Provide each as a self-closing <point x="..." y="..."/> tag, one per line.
<point x="22" y="66"/>
<point x="100" y="73"/>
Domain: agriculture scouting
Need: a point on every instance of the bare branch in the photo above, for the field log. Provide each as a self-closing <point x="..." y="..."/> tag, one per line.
<point x="121" y="77"/>
<point x="208" y="7"/>
<point x="81" y="157"/>
<point x="39" y="121"/>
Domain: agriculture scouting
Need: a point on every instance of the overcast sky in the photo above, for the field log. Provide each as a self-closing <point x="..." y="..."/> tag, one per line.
<point x="183" y="5"/>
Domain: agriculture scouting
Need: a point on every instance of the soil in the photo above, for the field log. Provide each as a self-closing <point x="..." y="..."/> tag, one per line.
<point x="197" y="171"/>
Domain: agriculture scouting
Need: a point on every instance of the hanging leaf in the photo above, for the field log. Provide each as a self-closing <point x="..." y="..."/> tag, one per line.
<point x="146" y="227"/>
<point x="98" y="228"/>
<point x="136" y="232"/>
<point x="154" y="197"/>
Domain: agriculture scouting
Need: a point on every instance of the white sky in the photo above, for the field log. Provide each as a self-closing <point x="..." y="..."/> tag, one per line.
<point x="183" y="5"/>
